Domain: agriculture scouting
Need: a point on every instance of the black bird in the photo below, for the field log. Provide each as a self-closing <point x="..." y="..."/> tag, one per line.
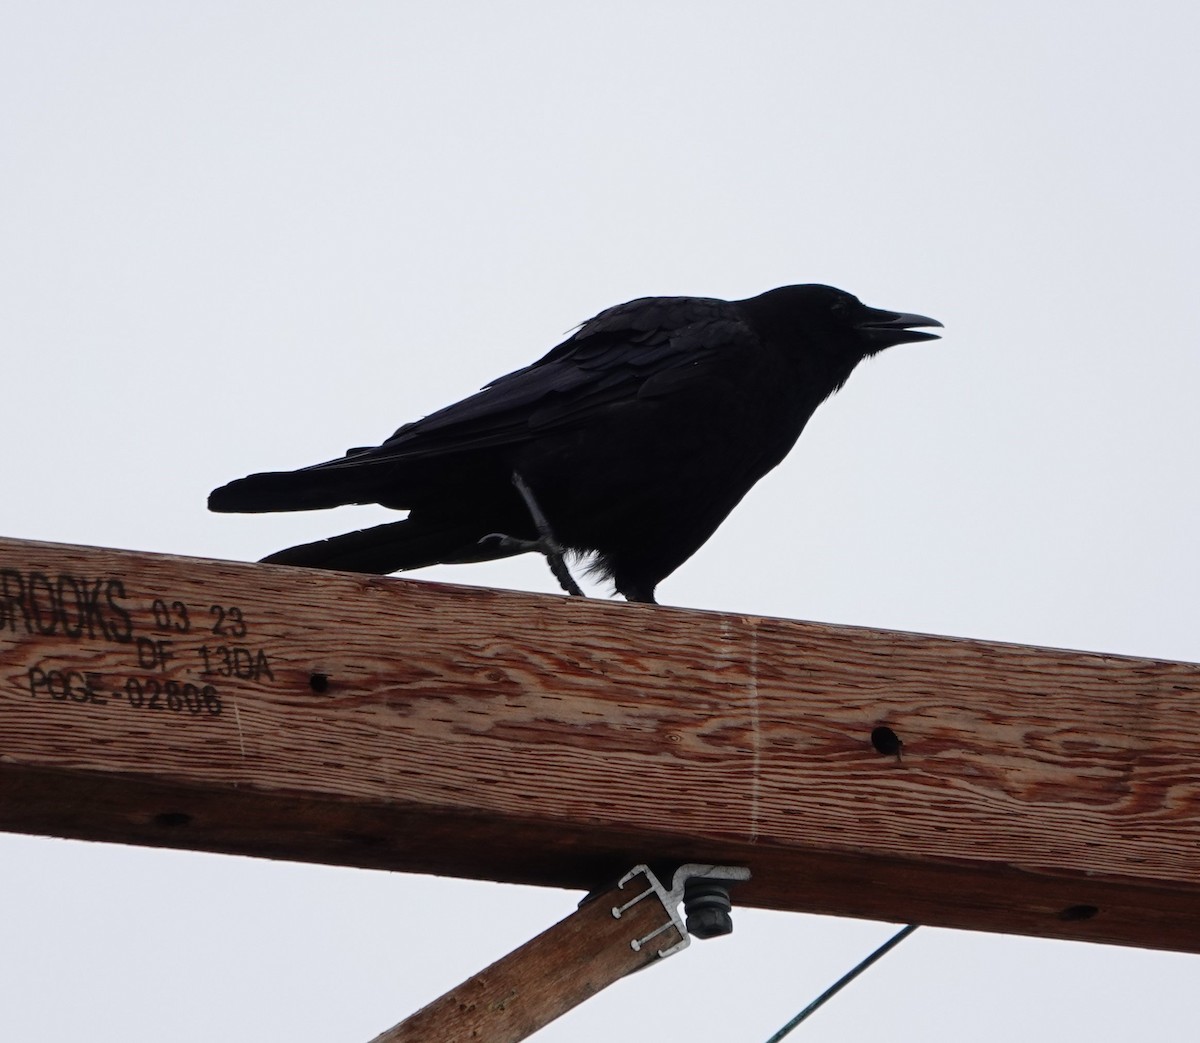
<point x="629" y="442"/>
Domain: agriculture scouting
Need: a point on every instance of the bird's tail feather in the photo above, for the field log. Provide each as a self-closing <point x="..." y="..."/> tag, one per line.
<point x="398" y="483"/>
<point x="394" y="547"/>
<point x="306" y="490"/>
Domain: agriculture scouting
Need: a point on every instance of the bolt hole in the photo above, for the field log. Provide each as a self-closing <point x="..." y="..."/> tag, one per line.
<point x="172" y="819"/>
<point x="319" y="683"/>
<point x="1078" y="912"/>
<point x="886" y="741"/>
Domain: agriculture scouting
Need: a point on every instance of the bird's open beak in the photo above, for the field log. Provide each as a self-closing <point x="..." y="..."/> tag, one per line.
<point x="885" y="328"/>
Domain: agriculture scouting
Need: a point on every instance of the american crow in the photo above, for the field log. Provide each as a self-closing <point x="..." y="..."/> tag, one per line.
<point x="630" y="441"/>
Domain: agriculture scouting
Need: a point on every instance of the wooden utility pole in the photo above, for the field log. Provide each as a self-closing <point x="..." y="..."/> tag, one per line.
<point x="614" y="932"/>
<point x="413" y="726"/>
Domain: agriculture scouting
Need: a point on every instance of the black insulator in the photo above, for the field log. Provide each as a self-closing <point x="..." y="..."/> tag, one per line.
<point x="708" y="908"/>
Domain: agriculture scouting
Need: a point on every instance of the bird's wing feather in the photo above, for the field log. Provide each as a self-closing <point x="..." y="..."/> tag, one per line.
<point x="644" y="349"/>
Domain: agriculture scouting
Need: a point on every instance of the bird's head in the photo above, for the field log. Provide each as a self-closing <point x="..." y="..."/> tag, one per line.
<point x="832" y="319"/>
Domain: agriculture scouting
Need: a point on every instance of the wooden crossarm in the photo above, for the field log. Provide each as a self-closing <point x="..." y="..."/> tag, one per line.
<point x="414" y="726"/>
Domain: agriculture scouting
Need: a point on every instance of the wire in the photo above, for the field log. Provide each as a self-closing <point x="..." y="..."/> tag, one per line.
<point x="844" y="980"/>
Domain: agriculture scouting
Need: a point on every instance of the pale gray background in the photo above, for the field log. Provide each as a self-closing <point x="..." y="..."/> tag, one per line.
<point x="245" y="236"/>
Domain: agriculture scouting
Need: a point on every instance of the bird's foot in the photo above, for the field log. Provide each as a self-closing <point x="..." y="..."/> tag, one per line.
<point x="551" y="548"/>
<point x="544" y="546"/>
<point x="546" y="543"/>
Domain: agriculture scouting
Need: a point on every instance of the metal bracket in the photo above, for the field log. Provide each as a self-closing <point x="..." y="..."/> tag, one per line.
<point x="670" y="899"/>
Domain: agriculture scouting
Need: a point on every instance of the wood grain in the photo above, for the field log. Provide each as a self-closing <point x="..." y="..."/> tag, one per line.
<point x="472" y="732"/>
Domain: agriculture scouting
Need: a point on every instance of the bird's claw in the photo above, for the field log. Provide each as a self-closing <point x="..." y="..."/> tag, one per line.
<point x="543" y="545"/>
<point x="550" y="547"/>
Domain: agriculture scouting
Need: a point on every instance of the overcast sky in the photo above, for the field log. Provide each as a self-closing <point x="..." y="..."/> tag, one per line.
<point x="239" y="237"/>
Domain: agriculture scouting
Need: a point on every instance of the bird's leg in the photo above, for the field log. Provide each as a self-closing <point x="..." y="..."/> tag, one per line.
<point x="546" y="543"/>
